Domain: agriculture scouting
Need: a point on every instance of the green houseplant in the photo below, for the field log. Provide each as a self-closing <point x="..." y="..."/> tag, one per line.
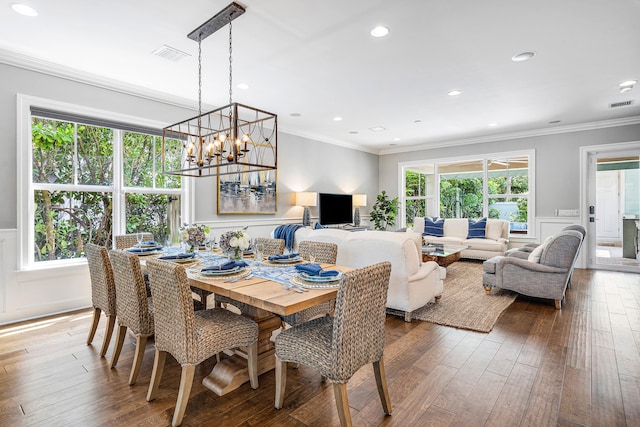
<point x="384" y="211"/>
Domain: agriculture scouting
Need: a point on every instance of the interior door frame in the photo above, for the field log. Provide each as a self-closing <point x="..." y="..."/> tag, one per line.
<point x="587" y="198"/>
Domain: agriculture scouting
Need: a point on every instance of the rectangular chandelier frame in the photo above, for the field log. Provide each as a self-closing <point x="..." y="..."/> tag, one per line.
<point x="232" y="139"/>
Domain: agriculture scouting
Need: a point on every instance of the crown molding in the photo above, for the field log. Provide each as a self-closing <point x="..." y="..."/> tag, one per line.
<point x="516" y="135"/>
<point x="45" y="67"/>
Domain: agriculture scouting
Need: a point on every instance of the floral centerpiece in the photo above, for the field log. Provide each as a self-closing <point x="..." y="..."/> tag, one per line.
<point x="234" y="243"/>
<point x="194" y="235"/>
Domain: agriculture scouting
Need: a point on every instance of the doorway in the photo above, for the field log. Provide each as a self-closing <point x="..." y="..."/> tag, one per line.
<point x="613" y="200"/>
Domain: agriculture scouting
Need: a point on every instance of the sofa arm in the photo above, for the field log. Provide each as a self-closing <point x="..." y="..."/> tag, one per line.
<point x="424" y="270"/>
<point x="526" y="265"/>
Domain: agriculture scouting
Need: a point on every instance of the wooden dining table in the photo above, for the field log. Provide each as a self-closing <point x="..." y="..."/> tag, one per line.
<point x="263" y="299"/>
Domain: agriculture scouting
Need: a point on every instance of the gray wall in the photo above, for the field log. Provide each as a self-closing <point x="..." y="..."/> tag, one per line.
<point x="557" y="162"/>
<point x="303" y="164"/>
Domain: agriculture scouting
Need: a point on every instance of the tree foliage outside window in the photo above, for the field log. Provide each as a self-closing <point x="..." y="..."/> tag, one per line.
<point x="73" y="181"/>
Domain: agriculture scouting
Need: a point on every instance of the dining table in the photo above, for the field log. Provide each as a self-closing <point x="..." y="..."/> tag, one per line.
<point x="267" y="291"/>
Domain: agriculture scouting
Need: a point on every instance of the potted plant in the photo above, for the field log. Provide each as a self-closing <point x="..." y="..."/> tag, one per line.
<point x="384" y="211"/>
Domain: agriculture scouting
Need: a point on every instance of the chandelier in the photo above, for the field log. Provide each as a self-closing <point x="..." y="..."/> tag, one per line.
<point x="233" y="139"/>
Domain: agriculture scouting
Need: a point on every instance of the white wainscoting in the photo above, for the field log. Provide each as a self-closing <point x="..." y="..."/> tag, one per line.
<point x="35" y="293"/>
<point x="548" y="226"/>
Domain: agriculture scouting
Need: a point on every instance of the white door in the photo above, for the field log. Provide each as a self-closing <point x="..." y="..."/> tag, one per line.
<point x="604" y="198"/>
<point x="608" y="206"/>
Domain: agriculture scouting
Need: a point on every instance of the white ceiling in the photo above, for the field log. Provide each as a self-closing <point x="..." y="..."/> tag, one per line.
<point x="316" y="58"/>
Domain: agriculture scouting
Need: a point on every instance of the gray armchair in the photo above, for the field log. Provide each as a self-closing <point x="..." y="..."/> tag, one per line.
<point x="547" y="279"/>
<point x="526" y="250"/>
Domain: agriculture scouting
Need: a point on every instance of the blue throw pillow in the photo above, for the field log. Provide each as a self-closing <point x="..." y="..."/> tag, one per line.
<point x="433" y="228"/>
<point x="477" y="229"/>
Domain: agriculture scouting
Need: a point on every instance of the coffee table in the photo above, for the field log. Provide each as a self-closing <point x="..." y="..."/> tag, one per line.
<point x="443" y="254"/>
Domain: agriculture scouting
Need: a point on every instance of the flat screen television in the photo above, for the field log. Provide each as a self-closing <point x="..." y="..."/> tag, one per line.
<point x="335" y="209"/>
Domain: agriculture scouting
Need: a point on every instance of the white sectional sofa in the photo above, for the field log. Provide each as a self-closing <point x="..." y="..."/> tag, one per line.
<point x="412" y="284"/>
<point x="456" y="231"/>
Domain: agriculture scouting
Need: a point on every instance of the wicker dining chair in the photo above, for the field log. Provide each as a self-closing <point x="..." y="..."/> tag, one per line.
<point x="134" y="309"/>
<point x="103" y="292"/>
<point x="325" y="253"/>
<point x="271" y="246"/>
<point x="125" y="241"/>
<point x="338" y="346"/>
<point x="192" y="337"/>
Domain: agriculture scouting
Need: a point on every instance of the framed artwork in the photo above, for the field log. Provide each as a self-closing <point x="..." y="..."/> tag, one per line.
<point x="248" y="193"/>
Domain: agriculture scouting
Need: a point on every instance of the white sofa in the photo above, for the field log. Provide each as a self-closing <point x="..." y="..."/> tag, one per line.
<point x="412" y="284"/>
<point x="495" y="242"/>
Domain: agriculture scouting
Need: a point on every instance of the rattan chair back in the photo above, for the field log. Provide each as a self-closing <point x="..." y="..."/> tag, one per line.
<point x="271" y="246"/>
<point x="125" y="241"/>
<point x="132" y="305"/>
<point x="325" y="252"/>
<point x="103" y="290"/>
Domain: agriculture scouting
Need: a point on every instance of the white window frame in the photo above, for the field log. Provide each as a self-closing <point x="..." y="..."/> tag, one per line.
<point x="403" y="166"/>
<point x="25" y="204"/>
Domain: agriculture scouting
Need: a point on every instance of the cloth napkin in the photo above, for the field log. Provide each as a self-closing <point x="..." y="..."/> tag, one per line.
<point x="226" y="266"/>
<point x="315" y="270"/>
<point x="139" y="250"/>
<point x="283" y="256"/>
<point x="177" y="256"/>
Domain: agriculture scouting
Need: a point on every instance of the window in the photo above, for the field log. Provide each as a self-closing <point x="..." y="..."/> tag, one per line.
<point x="494" y="186"/>
<point x="90" y="178"/>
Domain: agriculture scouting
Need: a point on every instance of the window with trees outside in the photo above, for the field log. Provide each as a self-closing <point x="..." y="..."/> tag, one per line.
<point x="495" y="186"/>
<point x="92" y="179"/>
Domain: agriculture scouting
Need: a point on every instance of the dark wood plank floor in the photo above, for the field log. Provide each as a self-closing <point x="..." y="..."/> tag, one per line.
<point x="538" y="367"/>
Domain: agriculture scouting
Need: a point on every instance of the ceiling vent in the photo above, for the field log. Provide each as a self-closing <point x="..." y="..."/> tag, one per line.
<point x="621" y="104"/>
<point x="170" y="53"/>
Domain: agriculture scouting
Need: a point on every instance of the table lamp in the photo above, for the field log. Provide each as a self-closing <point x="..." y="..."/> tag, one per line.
<point x="358" y="200"/>
<point x="306" y="199"/>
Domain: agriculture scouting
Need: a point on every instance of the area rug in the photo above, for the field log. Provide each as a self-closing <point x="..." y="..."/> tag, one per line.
<point x="464" y="303"/>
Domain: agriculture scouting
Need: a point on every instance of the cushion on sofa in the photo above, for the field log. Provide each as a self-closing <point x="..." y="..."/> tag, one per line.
<point x="433" y="227"/>
<point x="484" y="245"/>
<point x="536" y="254"/>
<point x="494" y="229"/>
<point x="477" y="229"/>
<point x="456" y="227"/>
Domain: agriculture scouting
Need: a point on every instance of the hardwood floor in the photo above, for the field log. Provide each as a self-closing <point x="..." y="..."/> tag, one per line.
<point x="576" y="367"/>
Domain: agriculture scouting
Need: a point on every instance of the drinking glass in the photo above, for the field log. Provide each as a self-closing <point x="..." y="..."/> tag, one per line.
<point x="258" y="250"/>
<point x="139" y="238"/>
<point x="312" y="253"/>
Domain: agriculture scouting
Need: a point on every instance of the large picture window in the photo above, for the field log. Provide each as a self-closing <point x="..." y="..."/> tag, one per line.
<point x="495" y="186"/>
<point x="91" y="178"/>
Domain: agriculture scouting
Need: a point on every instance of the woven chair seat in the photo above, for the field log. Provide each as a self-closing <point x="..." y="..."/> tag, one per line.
<point x="218" y="329"/>
<point x="310" y="344"/>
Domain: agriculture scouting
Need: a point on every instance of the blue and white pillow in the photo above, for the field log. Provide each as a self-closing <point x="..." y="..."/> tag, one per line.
<point x="433" y="227"/>
<point x="477" y="228"/>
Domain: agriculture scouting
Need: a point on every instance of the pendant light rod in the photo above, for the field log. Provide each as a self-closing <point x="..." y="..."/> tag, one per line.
<point x="222" y="18"/>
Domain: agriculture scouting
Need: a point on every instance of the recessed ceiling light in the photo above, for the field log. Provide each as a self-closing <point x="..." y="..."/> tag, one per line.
<point x="353" y="132"/>
<point x="23" y="9"/>
<point x="523" y="56"/>
<point x="243" y="86"/>
<point x="295" y="114"/>
<point x="553" y="122"/>
<point x="455" y="92"/>
<point x="379" y="31"/>
<point x="337" y="119"/>
<point x="417" y="121"/>
<point x="628" y="83"/>
<point x="396" y="139"/>
<point x="625" y="89"/>
<point x="392" y="145"/>
<point x="493" y="124"/>
<point x="377" y="128"/>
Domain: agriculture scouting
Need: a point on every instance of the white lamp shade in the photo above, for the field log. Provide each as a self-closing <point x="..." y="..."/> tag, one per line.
<point x="359" y="200"/>
<point x="306" y="198"/>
